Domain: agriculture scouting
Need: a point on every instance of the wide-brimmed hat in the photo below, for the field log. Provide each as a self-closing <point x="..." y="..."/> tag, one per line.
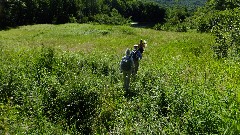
<point x="135" y="45"/>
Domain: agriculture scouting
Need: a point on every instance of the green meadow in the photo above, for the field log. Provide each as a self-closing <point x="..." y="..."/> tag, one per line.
<point x="65" y="79"/>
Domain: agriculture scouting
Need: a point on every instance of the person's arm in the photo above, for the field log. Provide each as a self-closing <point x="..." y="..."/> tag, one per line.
<point x="120" y="66"/>
<point x="140" y="55"/>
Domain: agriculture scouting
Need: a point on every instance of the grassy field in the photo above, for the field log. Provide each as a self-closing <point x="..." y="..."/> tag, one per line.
<point x="65" y="79"/>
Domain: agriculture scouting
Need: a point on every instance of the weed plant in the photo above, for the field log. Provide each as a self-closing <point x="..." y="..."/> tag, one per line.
<point x="65" y="79"/>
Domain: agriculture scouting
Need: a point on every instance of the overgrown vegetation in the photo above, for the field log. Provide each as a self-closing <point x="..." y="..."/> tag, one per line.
<point x="114" y="18"/>
<point x="190" y="4"/>
<point x="175" y="20"/>
<point x="64" y="79"/>
<point x="220" y="17"/>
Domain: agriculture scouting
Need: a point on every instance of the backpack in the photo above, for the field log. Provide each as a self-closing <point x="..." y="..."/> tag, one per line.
<point x="135" y="55"/>
<point x="126" y="64"/>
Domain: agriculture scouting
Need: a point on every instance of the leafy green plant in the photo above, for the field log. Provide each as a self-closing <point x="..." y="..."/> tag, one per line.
<point x="66" y="80"/>
<point x="227" y="34"/>
<point x="113" y="18"/>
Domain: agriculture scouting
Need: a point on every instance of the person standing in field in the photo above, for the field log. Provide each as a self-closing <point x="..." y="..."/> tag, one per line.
<point x="142" y="44"/>
<point x="126" y="67"/>
<point x="136" y="56"/>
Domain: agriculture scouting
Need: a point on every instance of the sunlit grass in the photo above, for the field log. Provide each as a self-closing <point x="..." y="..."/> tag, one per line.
<point x="67" y="77"/>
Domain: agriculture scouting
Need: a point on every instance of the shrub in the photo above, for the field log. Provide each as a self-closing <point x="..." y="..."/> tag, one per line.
<point x="180" y="27"/>
<point x="113" y="18"/>
<point x="227" y="32"/>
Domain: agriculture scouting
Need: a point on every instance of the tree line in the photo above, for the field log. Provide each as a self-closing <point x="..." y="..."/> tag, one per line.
<point x="222" y="19"/>
<point x="190" y="4"/>
<point x="23" y="12"/>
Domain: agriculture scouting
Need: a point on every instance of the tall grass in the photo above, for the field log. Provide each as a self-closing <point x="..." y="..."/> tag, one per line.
<point x="65" y="79"/>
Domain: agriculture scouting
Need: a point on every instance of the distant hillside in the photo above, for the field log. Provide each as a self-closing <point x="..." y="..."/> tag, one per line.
<point x="188" y="3"/>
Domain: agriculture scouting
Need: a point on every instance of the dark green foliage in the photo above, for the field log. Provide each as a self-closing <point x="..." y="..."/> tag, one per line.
<point x="181" y="28"/>
<point x="175" y="20"/>
<point x="23" y="12"/>
<point x="177" y="15"/>
<point x="223" y="4"/>
<point x="227" y="31"/>
<point x="145" y="12"/>
<point x="190" y="4"/>
<point x="207" y="17"/>
<point x="221" y="17"/>
<point x="113" y="18"/>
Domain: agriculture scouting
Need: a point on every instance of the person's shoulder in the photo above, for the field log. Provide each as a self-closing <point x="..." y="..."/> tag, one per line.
<point x="127" y="57"/>
<point x="131" y="59"/>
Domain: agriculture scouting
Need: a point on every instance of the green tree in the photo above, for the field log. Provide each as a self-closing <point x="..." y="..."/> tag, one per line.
<point x="145" y="12"/>
<point x="91" y="7"/>
<point x="177" y="15"/>
<point x="227" y="33"/>
<point x="43" y="12"/>
<point x="1" y="14"/>
<point x="223" y="4"/>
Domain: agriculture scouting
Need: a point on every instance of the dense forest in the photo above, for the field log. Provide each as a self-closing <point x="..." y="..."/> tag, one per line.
<point x="22" y="12"/>
<point x="190" y="4"/>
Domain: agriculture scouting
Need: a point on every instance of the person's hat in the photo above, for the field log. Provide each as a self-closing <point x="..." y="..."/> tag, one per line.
<point x="135" y="45"/>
